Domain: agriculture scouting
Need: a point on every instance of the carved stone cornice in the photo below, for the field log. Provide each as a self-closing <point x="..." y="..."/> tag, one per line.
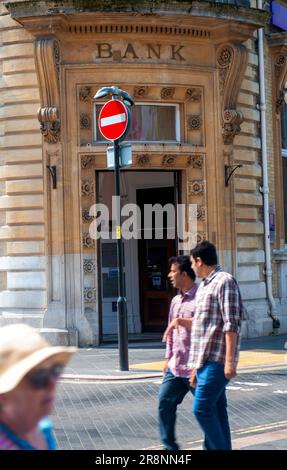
<point x="231" y="61"/>
<point x="47" y="58"/>
<point x="50" y="15"/>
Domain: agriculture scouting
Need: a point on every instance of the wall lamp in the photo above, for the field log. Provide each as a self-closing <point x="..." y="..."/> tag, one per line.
<point x="228" y="172"/>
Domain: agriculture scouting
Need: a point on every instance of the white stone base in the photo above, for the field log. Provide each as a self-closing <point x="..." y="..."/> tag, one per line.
<point x="60" y="337"/>
<point x="257" y="321"/>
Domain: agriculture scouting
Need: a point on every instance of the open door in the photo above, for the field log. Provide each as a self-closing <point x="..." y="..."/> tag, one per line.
<point x="155" y="290"/>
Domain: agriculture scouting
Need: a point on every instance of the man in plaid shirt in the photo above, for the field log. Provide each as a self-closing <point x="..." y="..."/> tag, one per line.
<point x="175" y="384"/>
<point x="214" y="346"/>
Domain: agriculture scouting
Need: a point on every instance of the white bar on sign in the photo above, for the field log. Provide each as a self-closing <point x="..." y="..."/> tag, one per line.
<point x="117" y="118"/>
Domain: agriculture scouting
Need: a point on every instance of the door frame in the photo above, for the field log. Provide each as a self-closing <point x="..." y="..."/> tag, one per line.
<point x="177" y="185"/>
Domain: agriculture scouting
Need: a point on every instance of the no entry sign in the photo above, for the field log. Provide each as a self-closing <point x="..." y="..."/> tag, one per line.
<point x="113" y="120"/>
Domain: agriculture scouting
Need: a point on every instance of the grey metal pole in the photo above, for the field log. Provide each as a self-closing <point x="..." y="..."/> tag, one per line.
<point x="121" y="302"/>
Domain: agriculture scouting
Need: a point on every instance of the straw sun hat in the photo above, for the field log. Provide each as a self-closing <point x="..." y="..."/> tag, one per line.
<point x="21" y="349"/>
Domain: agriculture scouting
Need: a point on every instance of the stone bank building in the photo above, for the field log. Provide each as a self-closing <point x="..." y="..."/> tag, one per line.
<point x="197" y="72"/>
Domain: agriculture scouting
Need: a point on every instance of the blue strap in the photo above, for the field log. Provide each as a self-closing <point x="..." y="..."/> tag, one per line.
<point x="44" y="425"/>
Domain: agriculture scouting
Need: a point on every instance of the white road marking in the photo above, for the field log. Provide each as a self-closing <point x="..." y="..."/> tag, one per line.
<point x="230" y="387"/>
<point x="259" y="384"/>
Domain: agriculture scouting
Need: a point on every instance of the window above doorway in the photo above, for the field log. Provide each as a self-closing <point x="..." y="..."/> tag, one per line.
<point x="151" y="122"/>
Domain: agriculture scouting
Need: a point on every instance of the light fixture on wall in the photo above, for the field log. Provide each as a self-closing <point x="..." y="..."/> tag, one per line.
<point x="228" y="172"/>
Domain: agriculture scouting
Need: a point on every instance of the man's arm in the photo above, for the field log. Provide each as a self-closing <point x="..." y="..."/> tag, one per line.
<point x="168" y="340"/>
<point x="231" y="339"/>
<point x="231" y="308"/>
<point x="174" y="324"/>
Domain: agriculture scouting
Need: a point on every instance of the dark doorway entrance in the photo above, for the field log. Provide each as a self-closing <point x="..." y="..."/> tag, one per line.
<point x="155" y="290"/>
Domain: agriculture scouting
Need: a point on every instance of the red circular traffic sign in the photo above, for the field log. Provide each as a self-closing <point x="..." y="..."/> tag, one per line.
<point x="113" y="120"/>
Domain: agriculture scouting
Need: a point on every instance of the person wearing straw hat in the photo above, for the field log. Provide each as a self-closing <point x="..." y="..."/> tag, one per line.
<point x="29" y="370"/>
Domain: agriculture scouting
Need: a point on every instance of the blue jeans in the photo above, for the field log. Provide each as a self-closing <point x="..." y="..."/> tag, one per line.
<point x="171" y="393"/>
<point x="210" y="406"/>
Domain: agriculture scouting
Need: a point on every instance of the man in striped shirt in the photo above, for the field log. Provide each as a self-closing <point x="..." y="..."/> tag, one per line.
<point x="175" y="384"/>
<point x="214" y="344"/>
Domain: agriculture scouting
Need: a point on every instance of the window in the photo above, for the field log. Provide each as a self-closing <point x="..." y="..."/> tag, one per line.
<point x="150" y="123"/>
<point x="284" y="162"/>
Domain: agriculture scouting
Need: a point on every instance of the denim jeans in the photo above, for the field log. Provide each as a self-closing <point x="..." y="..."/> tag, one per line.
<point x="171" y="393"/>
<point x="210" y="406"/>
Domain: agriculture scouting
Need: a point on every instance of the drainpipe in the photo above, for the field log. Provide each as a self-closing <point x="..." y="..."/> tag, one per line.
<point x="265" y="188"/>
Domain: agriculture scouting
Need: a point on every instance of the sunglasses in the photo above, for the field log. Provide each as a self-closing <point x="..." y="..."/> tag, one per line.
<point x="40" y="378"/>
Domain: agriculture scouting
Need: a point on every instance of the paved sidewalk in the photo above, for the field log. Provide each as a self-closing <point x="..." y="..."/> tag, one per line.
<point x="99" y="407"/>
<point x="146" y="359"/>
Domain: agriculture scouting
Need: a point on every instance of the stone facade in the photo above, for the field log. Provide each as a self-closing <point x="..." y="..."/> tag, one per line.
<point x="51" y="67"/>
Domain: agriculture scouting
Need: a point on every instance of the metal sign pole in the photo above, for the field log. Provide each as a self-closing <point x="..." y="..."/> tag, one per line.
<point x="114" y="122"/>
<point x="121" y="302"/>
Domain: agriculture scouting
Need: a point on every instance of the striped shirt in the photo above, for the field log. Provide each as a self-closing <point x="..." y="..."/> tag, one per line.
<point x="178" y="342"/>
<point x="218" y="309"/>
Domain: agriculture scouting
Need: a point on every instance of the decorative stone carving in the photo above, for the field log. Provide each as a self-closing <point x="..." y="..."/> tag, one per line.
<point x="200" y="213"/>
<point x="231" y="125"/>
<point x="90" y="294"/>
<point x="89" y="266"/>
<point x="143" y="160"/>
<point x="231" y="63"/>
<point x="86" y="217"/>
<point x="47" y="58"/>
<point x="200" y="236"/>
<point x="280" y="61"/>
<point x="224" y="59"/>
<point x="280" y="100"/>
<point x="193" y="94"/>
<point x="195" y="161"/>
<point x="169" y="160"/>
<point x="140" y="91"/>
<point x="197" y="237"/>
<point x="88" y="242"/>
<point x="85" y="121"/>
<point x="87" y="187"/>
<point x="194" y="122"/>
<point x="167" y="93"/>
<point x="50" y="124"/>
<point x="85" y="93"/>
<point x="280" y="66"/>
<point x="86" y="161"/>
<point x="196" y="187"/>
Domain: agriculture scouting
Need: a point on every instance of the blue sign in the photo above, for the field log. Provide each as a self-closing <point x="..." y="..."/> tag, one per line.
<point x="279" y="15"/>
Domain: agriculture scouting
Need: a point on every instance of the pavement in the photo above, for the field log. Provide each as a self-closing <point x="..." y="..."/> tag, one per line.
<point x="146" y="359"/>
<point x="100" y="407"/>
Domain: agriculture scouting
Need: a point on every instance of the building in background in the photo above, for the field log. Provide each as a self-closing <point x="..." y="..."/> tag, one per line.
<point x="193" y="70"/>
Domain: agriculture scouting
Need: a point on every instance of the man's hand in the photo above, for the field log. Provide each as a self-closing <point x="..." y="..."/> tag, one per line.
<point x="192" y="378"/>
<point x="165" y="366"/>
<point x="229" y="369"/>
<point x="173" y="325"/>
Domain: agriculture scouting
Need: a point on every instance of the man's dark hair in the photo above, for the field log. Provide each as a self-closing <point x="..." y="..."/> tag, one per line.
<point x="206" y="251"/>
<point x="184" y="265"/>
